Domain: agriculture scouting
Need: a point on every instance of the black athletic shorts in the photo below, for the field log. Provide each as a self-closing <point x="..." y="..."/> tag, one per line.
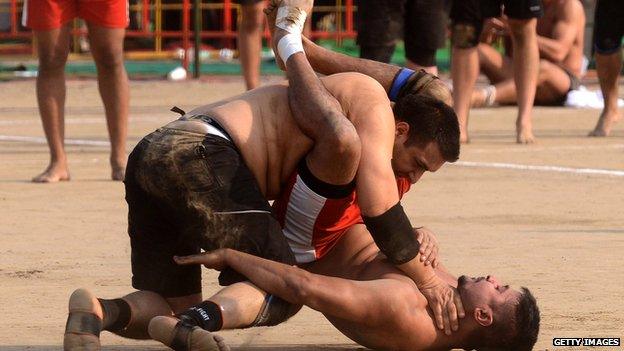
<point x="188" y="191"/>
<point x="608" y="26"/>
<point x="473" y="12"/>
<point x="421" y="24"/>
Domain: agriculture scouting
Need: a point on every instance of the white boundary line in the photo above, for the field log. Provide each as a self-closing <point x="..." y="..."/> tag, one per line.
<point x="86" y="120"/>
<point x="545" y="148"/>
<point x="557" y="169"/>
<point x="497" y="165"/>
<point x="40" y="140"/>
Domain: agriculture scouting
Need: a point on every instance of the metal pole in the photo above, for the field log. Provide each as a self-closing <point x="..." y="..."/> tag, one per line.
<point x="198" y="27"/>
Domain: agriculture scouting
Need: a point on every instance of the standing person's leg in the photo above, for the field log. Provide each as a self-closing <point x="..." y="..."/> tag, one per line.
<point x="608" y="32"/>
<point x="464" y="73"/>
<point x="467" y="22"/>
<point x="424" y="32"/>
<point x="379" y="26"/>
<point x="526" y="68"/>
<point x="107" y="51"/>
<point x="608" y="68"/>
<point x="53" y="48"/>
<point x="523" y="15"/>
<point x="250" y="41"/>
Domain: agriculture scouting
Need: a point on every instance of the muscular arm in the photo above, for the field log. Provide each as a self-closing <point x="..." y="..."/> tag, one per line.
<point x="564" y="32"/>
<point x="363" y="302"/>
<point x="330" y="62"/>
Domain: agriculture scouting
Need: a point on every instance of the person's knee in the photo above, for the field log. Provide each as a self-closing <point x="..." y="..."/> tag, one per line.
<point x="545" y="67"/>
<point x="381" y="53"/>
<point x="183" y="303"/>
<point x="52" y="61"/>
<point x="464" y="35"/>
<point x="108" y="59"/>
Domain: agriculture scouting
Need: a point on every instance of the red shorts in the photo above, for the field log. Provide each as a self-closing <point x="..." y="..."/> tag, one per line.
<point x="53" y="14"/>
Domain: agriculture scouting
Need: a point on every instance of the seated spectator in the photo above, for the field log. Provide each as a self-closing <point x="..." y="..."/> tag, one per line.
<point x="560" y="41"/>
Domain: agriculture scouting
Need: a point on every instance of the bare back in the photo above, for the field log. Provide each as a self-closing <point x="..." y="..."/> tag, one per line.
<point x="262" y="127"/>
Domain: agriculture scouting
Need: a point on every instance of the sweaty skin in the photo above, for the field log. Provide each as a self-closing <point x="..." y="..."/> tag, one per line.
<point x="261" y="124"/>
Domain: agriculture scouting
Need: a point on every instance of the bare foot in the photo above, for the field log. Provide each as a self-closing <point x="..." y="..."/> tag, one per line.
<point x="84" y="322"/>
<point x="605" y="123"/>
<point x="463" y="135"/>
<point x="525" y="136"/>
<point x="56" y="171"/>
<point x="118" y="168"/>
<point x="165" y="330"/>
<point x="296" y="9"/>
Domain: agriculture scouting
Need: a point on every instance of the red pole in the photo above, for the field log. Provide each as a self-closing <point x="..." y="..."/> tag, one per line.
<point x="227" y="18"/>
<point x="13" y="16"/>
<point x="145" y="16"/>
<point x="185" y="32"/>
<point x="349" y="15"/>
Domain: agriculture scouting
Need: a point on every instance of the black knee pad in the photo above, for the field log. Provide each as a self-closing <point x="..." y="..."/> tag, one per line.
<point x="465" y="36"/>
<point x="274" y="311"/>
<point x="207" y="315"/>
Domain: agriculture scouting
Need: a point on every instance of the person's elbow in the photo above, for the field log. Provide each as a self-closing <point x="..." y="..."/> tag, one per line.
<point x="344" y="140"/>
<point x="301" y="288"/>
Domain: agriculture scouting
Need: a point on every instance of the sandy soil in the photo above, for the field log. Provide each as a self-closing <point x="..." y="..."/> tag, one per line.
<point x="555" y="230"/>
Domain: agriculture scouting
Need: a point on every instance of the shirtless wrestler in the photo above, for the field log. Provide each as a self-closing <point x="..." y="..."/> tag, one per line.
<point x="203" y="181"/>
<point x="351" y="284"/>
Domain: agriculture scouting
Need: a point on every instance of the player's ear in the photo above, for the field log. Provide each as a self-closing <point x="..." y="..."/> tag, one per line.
<point x="484" y="316"/>
<point x="402" y="128"/>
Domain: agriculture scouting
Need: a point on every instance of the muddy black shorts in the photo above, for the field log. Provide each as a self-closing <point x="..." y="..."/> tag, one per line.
<point x="474" y="12"/>
<point x="421" y="24"/>
<point x="189" y="191"/>
<point x="608" y="26"/>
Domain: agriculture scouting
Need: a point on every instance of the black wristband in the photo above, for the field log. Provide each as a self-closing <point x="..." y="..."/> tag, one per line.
<point x="393" y="234"/>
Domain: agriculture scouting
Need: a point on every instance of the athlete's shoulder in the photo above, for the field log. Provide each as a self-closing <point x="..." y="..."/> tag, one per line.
<point x="354" y="80"/>
<point x="570" y="9"/>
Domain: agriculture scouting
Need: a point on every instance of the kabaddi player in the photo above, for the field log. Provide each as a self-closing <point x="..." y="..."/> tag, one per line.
<point x="374" y="303"/>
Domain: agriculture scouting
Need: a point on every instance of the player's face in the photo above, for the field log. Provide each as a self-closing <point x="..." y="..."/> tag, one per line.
<point x="413" y="161"/>
<point x="484" y="291"/>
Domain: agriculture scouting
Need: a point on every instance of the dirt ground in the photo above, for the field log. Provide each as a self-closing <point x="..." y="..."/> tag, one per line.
<point x="528" y="214"/>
